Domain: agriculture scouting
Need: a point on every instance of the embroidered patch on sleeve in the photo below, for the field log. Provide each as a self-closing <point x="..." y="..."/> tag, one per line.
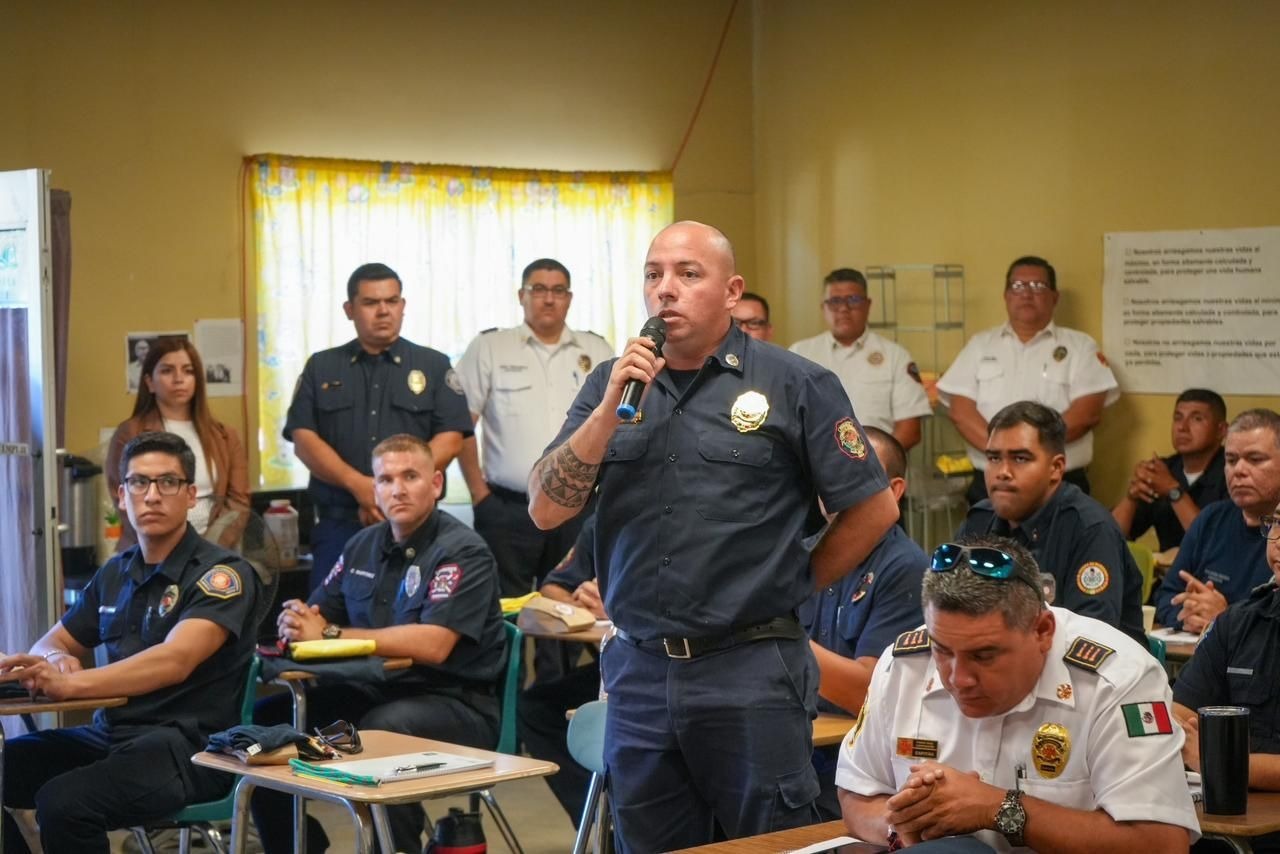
<point x="333" y="573"/>
<point x="221" y="582"/>
<point x="1087" y="654"/>
<point x="1147" y="719"/>
<point x="916" y="640"/>
<point x="1093" y="578"/>
<point x="849" y="440"/>
<point x="444" y="582"/>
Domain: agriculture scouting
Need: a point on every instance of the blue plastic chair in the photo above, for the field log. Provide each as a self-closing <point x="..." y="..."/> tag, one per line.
<point x="586" y="746"/>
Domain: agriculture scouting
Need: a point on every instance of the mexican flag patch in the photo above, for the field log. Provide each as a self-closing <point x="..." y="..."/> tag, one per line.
<point x="1147" y="719"/>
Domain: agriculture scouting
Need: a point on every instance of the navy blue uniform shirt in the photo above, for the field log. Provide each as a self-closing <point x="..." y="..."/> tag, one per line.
<point x="129" y="607"/>
<point x="861" y="614"/>
<point x="1219" y="547"/>
<point x="700" y="523"/>
<point x="353" y="400"/>
<point x="442" y="575"/>
<point x="579" y="564"/>
<point x="1211" y="486"/>
<point x="1074" y="539"/>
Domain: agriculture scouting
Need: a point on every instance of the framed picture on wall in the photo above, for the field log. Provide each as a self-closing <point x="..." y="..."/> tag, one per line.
<point x="136" y="347"/>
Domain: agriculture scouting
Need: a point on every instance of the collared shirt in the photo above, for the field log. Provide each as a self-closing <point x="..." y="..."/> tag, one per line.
<point x="704" y="504"/>
<point x="878" y="375"/>
<point x="1110" y="762"/>
<point x="863" y="612"/>
<point x="1219" y="547"/>
<point x="443" y="574"/>
<point x="1209" y="487"/>
<point x="354" y="400"/>
<point x="129" y="607"/>
<point x="1074" y="539"/>
<point x="1056" y="367"/>
<point x="521" y="389"/>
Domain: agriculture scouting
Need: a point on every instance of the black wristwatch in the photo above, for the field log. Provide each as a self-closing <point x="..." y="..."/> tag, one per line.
<point x="331" y="631"/>
<point x="1011" y="818"/>
<point x="1175" y="495"/>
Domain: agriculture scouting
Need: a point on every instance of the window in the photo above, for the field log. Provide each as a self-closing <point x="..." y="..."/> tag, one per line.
<point x="457" y="236"/>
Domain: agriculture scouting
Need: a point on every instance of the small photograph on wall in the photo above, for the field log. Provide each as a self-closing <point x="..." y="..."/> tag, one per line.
<point x="136" y="347"/>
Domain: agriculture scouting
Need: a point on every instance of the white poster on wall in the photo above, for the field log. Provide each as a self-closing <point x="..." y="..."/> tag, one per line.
<point x="1193" y="309"/>
<point x="221" y="346"/>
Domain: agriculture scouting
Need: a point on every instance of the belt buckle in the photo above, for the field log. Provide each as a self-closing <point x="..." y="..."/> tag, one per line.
<point x="667" y="645"/>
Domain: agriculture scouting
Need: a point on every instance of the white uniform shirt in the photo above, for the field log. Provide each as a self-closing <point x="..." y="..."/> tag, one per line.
<point x="1108" y="764"/>
<point x="1056" y="367"/>
<point x="521" y="389"/>
<point x="876" y="374"/>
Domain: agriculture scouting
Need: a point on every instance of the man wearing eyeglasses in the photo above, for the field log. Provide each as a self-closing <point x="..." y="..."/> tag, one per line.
<point x="421" y="585"/>
<point x="1072" y="536"/>
<point x="1235" y="664"/>
<point x="175" y="615"/>
<point x="1014" y="723"/>
<point x="879" y="375"/>
<point x="519" y="383"/>
<point x="1222" y="557"/>
<point x="1029" y="358"/>
<point x="752" y="316"/>
<point x="351" y="397"/>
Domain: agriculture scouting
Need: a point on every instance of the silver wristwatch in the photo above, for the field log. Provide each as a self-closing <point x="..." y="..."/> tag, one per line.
<point x="1174" y="495"/>
<point x="331" y="631"/>
<point x="1011" y="818"/>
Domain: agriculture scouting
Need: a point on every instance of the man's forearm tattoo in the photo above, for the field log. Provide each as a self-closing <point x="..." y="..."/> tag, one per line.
<point x="566" y="479"/>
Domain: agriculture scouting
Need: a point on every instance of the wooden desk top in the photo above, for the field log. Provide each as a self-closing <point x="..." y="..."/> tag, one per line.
<point x="377" y="744"/>
<point x="830" y="729"/>
<point x="783" y="841"/>
<point x="302" y="675"/>
<point x="1263" y="817"/>
<point x="43" y="704"/>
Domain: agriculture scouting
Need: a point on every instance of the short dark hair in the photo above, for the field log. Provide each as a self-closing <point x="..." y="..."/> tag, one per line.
<point x="749" y="295"/>
<point x="371" y="272"/>
<point x="894" y="458"/>
<point x="1033" y="261"/>
<point x="1203" y="395"/>
<point x="159" y="442"/>
<point x="963" y="591"/>
<point x="845" y="274"/>
<point x="403" y="443"/>
<point x="545" y="264"/>
<point x="1050" y="428"/>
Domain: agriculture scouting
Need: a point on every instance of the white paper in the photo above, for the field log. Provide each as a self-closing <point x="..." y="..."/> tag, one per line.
<point x="818" y="847"/>
<point x="136" y="347"/>
<point x="221" y="346"/>
<point x="1174" y="636"/>
<point x="387" y="769"/>
<point x="1193" y="309"/>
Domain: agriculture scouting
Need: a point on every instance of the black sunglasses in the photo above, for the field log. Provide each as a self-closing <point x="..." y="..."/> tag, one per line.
<point x="341" y="735"/>
<point x="982" y="560"/>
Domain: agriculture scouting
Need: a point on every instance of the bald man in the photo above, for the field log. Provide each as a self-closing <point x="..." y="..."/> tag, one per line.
<point x="706" y="498"/>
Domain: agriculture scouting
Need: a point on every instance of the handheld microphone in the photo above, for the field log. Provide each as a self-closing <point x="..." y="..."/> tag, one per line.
<point x="655" y="329"/>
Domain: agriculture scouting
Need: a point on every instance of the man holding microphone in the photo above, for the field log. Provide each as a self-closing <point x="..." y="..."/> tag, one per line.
<point x="706" y="496"/>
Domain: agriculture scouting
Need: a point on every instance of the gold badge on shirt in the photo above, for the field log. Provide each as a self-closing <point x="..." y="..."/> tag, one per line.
<point x="749" y="411"/>
<point x="417" y="381"/>
<point x="876" y="358"/>
<point x="1059" y="354"/>
<point x="1050" y="750"/>
<point x="584" y="363"/>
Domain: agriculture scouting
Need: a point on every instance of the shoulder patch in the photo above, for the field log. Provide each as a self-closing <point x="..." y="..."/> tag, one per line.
<point x="453" y="381"/>
<point x="849" y="440"/>
<point x="1093" y="578"/>
<point x="444" y="582"/>
<point x="1087" y="654"/>
<point x="597" y="334"/>
<point x="221" y="582"/>
<point x="914" y="641"/>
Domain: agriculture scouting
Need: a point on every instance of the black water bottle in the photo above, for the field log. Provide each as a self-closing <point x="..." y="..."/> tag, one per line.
<point x="459" y="832"/>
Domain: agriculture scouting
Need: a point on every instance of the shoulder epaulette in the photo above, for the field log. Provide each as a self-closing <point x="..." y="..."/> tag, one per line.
<point x="909" y="643"/>
<point x="597" y="334"/>
<point x="487" y="331"/>
<point x="1087" y="654"/>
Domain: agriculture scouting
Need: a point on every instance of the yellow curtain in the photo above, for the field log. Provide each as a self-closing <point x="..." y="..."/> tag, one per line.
<point x="458" y="237"/>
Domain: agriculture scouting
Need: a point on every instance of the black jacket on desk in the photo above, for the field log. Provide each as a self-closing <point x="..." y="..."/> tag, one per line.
<point x="442" y="575"/>
<point x="129" y="607"/>
<point x="1209" y="487"/>
<point x="1074" y="539"/>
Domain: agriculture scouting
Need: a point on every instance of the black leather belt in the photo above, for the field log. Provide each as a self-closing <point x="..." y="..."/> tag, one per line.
<point x="508" y="494"/>
<point x="787" y="628"/>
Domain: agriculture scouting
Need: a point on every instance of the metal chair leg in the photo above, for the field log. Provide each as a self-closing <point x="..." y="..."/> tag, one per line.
<point x="588" y="818"/>
<point x="144" y="841"/>
<point x="500" y="820"/>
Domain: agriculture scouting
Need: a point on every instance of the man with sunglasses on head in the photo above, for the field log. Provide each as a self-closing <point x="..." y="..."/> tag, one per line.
<point x="882" y="381"/>
<point x="519" y="383"/>
<point x="175" y="616"/>
<point x="1072" y="536"/>
<point x="422" y="585"/>
<point x="1029" y="358"/>
<point x="751" y="314"/>
<point x="1014" y="723"/>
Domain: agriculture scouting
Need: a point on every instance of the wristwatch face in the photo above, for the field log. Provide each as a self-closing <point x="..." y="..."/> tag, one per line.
<point x="331" y="632"/>
<point x="1175" y="494"/>
<point x="1011" y="818"/>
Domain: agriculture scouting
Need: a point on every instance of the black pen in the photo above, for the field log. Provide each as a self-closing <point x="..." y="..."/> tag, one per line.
<point x="409" y="769"/>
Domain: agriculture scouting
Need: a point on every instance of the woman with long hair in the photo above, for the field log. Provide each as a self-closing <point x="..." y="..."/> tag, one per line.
<point x="171" y="396"/>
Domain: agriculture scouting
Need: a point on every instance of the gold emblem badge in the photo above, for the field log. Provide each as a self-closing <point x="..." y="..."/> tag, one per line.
<point x="1064" y="691"/>
<point x="417" y="381"/>
<point x="749" y="410"/>
<point x="849" y="440"/>
<point x="584" y="363"/>
<point x="1092" y="578"/>
<point x="732" y="360"/>
<point x="1059" y="354"/>
<point x="876" y="358"/>
<point x="1050" y="750"/>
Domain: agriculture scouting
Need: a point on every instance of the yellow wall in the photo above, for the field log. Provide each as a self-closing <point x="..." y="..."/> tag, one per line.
<point x="144" y="110"/>
<point x="977" y="132"/>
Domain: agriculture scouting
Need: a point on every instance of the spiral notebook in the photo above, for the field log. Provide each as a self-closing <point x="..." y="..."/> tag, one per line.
<point x="390" y="769"/>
